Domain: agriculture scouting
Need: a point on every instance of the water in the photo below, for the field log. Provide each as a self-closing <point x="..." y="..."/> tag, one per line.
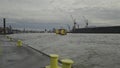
<point x="87" y="50"/>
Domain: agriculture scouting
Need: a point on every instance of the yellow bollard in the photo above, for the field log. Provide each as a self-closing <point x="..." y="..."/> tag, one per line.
<point x="53" y="61"/>
<point x="63" y="32"/>
<point x="19" y="43"/>
<point x="66" y="63"/>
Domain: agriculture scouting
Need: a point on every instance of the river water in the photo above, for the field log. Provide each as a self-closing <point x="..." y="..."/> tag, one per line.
<point x="86" y="50"/>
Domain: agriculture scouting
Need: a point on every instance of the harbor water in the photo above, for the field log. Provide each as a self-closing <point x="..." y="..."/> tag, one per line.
<point x="86" y="50"/>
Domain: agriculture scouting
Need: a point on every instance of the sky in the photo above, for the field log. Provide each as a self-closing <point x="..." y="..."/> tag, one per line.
<point x="97" y="12"/>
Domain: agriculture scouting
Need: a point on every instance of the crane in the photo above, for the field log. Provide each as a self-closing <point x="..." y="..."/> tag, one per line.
<point x="86" y="22"/>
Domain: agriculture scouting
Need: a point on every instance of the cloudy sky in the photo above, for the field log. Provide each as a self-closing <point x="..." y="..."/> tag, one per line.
<point x="98" y="12"/>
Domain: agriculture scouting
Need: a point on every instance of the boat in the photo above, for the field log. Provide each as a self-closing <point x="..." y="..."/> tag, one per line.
<point x="101" y="29"/>
<point x="107" y="29"/>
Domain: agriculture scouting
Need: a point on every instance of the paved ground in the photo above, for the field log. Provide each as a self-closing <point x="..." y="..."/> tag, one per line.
<point x="12" y="56"/>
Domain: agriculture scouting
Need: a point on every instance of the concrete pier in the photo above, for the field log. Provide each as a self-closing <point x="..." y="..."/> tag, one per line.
<point x="12" y="56"/>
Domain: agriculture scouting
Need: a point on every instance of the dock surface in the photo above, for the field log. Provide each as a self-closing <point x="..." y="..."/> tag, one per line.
<point x="12" y="56"/>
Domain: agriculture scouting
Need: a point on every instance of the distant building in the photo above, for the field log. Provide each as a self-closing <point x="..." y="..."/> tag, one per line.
<point x="7" y="29"/>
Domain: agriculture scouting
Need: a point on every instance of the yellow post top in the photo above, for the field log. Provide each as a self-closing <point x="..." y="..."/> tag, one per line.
<point x="53" y="55"/>
<point x="67" y="61"/>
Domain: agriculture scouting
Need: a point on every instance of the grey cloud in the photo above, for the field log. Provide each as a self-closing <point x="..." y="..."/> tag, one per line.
<point x="59" y="11"/>
<point x="104" y="15"/>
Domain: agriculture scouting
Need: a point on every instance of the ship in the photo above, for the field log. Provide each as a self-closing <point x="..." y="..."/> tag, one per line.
<point x="101" y="29"/>
<point x="107" y="29"/>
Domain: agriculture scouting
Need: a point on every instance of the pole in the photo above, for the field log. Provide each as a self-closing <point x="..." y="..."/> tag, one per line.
<point x="4" y="25"/>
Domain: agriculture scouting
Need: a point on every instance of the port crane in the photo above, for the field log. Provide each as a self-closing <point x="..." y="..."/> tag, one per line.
<point x="86" y="22"/>
<point x="74" y="21"/>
